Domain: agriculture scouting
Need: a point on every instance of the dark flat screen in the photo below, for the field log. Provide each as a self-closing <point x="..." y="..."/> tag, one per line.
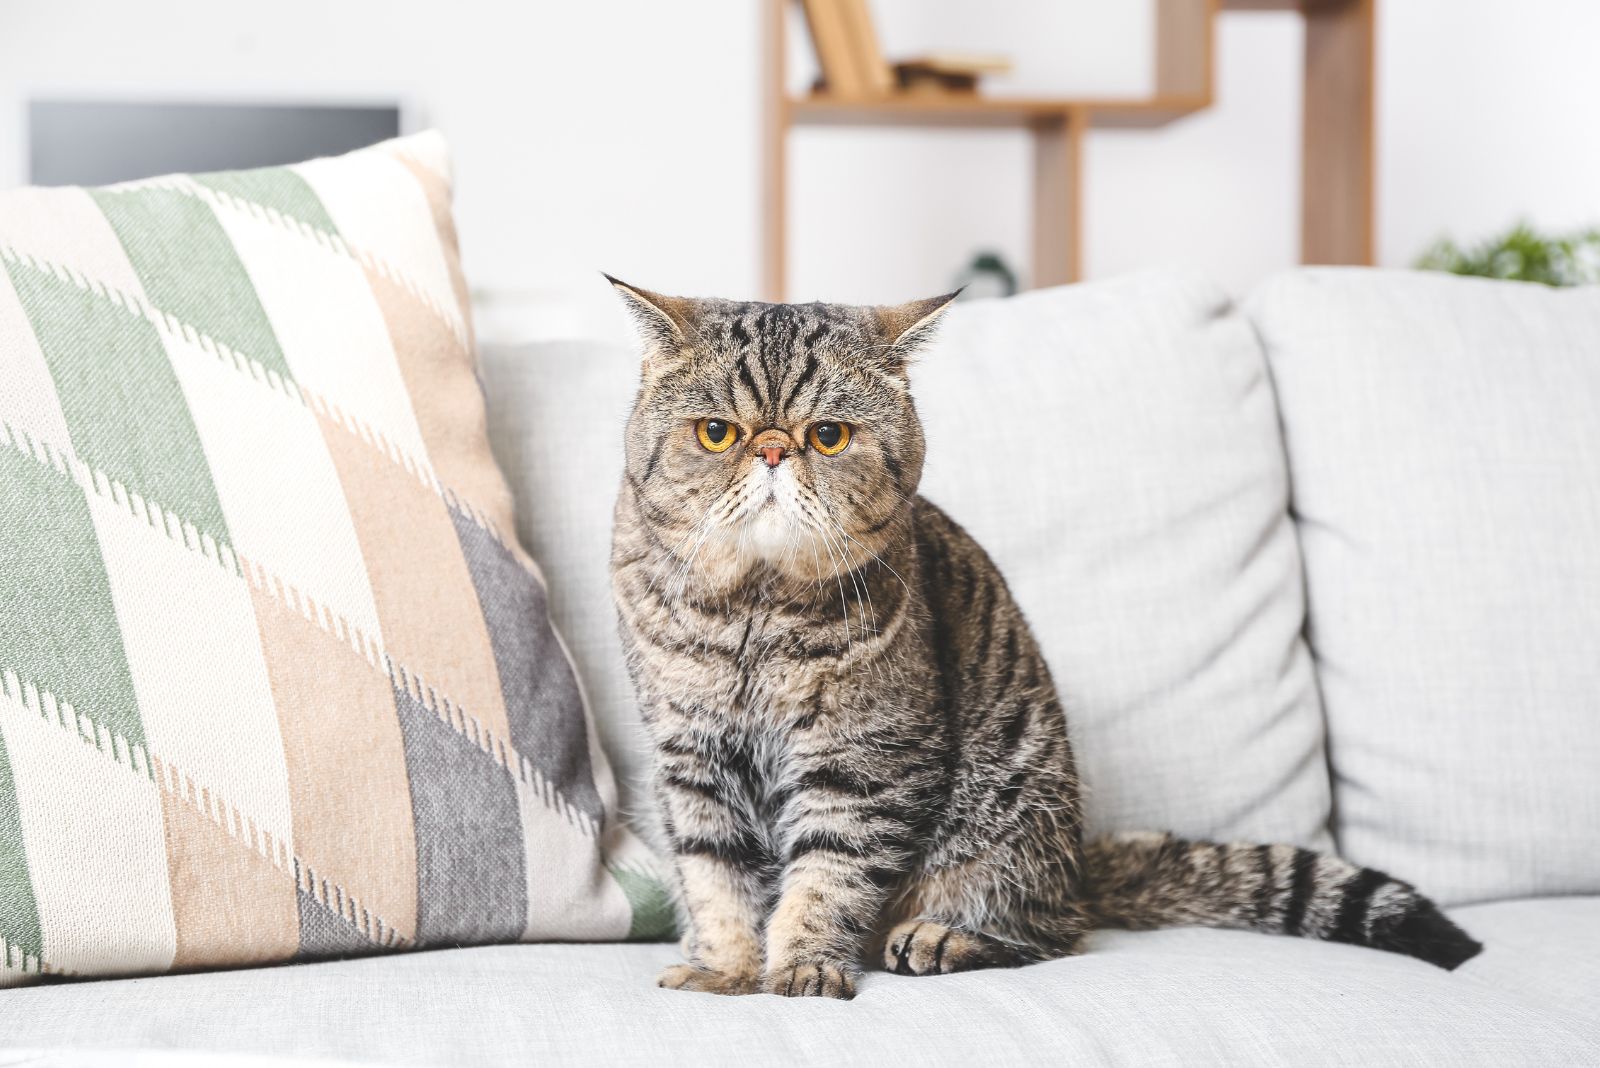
<point x="92" y="143"/>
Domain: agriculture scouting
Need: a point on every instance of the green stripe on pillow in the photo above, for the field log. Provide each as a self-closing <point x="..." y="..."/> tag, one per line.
<point x="189" y="268"/>
<point x="58" y="620"/>
<point x="124" y="407"/>
<point x="277" y="188"/>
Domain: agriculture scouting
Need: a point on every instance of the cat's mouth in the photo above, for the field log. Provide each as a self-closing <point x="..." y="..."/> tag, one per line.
<point x="770" y="508"/>
<point x="771" y="484"/>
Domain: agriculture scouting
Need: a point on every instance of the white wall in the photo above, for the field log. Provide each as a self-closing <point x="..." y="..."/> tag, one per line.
<point x="622" y="134"/>
<point x="1218" y="191"/>
<point x="1490" y="113"/>
<point x="616" y="135"/>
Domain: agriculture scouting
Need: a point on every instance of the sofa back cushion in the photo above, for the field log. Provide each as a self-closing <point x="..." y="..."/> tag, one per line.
<point x="276" y="678"/>
<point x="1444" y="442"/>
<point x="1115" y="448"/>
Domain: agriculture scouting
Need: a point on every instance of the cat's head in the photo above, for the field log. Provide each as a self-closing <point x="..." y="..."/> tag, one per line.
<point x="781" y="434"/>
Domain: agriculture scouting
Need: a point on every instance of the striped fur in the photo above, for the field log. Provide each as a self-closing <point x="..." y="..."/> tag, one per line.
<point x="1145" y="880"/>
<point x="859" y="750"/>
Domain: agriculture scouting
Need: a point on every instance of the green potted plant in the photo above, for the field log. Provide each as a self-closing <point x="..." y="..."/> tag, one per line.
<point x="1523" y="254"/>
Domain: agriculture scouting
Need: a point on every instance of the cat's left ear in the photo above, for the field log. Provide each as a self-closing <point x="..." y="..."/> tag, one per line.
<point x="905" y="328"/>
<point x="666" y="324"/>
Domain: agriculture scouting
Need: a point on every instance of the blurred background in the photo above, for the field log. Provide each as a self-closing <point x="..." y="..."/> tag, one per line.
<point x="632" y="136"/>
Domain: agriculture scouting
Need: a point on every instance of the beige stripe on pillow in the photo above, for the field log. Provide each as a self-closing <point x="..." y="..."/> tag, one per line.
<point x="434" y="364"/>
<point x="230" y="903"/>
<point x="344" y="752"/>
<point x="432" y="623"/>
<point x="437" y="189"/>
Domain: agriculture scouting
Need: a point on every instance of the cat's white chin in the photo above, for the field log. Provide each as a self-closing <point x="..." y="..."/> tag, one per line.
<point x="771" y="535"/>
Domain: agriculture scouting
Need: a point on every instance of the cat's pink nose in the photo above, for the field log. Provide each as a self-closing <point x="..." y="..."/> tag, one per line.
<point x="772" y="444"/>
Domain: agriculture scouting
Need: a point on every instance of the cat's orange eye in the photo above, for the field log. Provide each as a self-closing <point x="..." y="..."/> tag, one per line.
<point x="716" y="435"/>
<point x="830" y="439"/>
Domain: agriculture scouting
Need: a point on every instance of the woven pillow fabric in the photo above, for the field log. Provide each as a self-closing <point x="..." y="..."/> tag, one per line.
<point x="276" y="679"/>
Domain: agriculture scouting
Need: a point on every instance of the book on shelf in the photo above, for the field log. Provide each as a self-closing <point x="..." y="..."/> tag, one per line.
<point x="836" y="54"/>
<point x="973" y="63"/>
<point x="875" y="70"/>
<point x="853" y="66"/>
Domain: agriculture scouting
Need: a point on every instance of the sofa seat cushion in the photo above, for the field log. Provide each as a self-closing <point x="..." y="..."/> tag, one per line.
<point x="1167" y="997"/>
<point x="1547" y="951"/>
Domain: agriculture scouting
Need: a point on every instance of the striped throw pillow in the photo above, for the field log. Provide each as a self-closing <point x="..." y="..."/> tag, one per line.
<point x="276" y="678"/>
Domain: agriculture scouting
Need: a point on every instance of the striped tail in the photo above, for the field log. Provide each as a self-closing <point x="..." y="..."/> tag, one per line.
<point x="1145" y="880"/>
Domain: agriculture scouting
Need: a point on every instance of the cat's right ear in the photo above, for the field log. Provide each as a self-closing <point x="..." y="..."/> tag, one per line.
<point x="905" y="328"/>
<point x="665" y="323"/>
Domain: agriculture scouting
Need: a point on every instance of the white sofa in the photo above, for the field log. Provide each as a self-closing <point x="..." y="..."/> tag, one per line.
<point x="1320" y="568"/>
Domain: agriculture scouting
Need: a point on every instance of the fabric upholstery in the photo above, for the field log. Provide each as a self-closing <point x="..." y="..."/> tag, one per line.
<point x="1444" y="440"/>
<point x="1546" y="950"/>
<point x="1115" y="448"/>
<point x="556" y="415"/>
<point x="1179" y="997"/>
<point x="276" y="678"/>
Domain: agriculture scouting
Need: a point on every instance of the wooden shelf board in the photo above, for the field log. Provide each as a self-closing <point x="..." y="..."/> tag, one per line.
<point x="1144" y="113"/>
<point x="1303" y="6"/>
<point x="821" y="110"/>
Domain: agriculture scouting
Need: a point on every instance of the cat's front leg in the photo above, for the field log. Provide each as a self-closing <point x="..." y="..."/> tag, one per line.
<point x="840" y="871"/>
<point x="724" y="943"/>
<point x="720" y="861"/>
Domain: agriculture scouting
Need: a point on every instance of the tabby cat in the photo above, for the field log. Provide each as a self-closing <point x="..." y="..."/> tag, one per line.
<point x="859" y="752"/>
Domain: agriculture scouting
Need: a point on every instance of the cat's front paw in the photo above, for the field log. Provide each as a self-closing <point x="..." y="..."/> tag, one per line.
<point x="812" y="979"/>
<point x="706" y="981"/>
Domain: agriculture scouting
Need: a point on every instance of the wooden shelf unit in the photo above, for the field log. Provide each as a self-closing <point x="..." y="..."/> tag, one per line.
<point x="1337" y="151"/>
<point x="819" y="109"/>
